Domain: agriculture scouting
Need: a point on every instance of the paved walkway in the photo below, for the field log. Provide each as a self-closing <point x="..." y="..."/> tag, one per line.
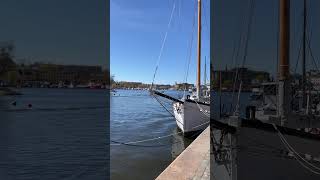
<point x="203" y="172"/>
<point x="193" y="163"/>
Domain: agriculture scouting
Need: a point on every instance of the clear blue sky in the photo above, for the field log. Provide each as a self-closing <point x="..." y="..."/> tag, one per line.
<point x="137" y="30"/>
<point x="56" y="31"/>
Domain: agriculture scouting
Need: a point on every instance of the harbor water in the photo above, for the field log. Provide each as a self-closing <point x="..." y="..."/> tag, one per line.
<point x="229" y="103"/>
<point x="61" y="136"/>
<point x="135" y="116"/>
<point x="64" y="134"/>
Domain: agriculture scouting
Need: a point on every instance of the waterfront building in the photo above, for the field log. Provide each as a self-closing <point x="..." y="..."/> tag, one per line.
<point x="248" y="77"/>
<point x="54" y="73"/>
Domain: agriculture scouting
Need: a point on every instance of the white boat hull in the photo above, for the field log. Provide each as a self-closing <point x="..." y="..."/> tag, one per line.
<point x="191" y="116"/>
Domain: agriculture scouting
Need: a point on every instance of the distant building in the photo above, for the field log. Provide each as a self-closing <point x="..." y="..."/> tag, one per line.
<point x="38" y="73"/>
<point x="8" y="74"/>
<point x="53" y="73"/>
<point x="125" y="84"/>
<point x="163" y="87"/>
<point x="182" y="86"/>
<point x="248" y="77"/>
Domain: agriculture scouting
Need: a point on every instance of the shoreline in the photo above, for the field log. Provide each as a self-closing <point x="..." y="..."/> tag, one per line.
<point x="4" y="91"/>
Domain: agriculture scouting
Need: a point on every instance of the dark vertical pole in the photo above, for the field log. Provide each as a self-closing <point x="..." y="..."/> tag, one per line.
<point x="304" y="56"/>
<point x="284" y="27"/>
<point x="284" y="39"/>
<point x="220" y="92"/>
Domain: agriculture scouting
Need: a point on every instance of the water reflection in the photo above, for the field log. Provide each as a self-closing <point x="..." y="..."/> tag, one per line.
<point x="180" y="143"/>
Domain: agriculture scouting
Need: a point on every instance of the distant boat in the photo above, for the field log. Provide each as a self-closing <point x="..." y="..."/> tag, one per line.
<point x="60" y="85"/>
<point x="82" y="86"/>
<point x="71" y="86"/>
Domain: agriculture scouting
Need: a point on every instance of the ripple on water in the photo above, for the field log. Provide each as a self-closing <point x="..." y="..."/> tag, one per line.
<point x="136" y="118"/>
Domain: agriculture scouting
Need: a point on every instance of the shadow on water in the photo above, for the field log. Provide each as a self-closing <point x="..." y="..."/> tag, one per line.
<point x="180" y="143"/>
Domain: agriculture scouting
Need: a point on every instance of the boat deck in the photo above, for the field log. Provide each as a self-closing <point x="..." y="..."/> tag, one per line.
<point x="193" y="163"/>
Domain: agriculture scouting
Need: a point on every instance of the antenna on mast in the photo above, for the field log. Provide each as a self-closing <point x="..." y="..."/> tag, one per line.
<point x="205" y="70"/>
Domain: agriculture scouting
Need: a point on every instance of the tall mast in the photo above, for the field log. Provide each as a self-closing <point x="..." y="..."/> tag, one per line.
<point x="199" y="50"/>
<point x="304" y="55"/>
<point x="205" y="70"/>
<point x="284" y="25"/>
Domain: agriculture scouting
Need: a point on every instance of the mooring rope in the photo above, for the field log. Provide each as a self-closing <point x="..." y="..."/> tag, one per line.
<point x="146" y="140"/>
<point x="295" y="154"/>
<point x="162" y="46"/>
<point x="163" y="106"/>
<point x="201" y="110"/>
<point x="121" y="143"/>
<point x="152" y="139"/>
<point x="190" y="52"/>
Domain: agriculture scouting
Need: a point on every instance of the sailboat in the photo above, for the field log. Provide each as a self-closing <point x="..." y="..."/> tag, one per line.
<point x="287" y="107"/>
<point x="192" y="113"/>
<point x="282" y="146"/>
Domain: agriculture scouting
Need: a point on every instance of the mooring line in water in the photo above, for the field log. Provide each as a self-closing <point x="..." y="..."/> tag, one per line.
<point x="136" y="145"/>
<point x="146" y="140"/>
<point x="116" y="143"/>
